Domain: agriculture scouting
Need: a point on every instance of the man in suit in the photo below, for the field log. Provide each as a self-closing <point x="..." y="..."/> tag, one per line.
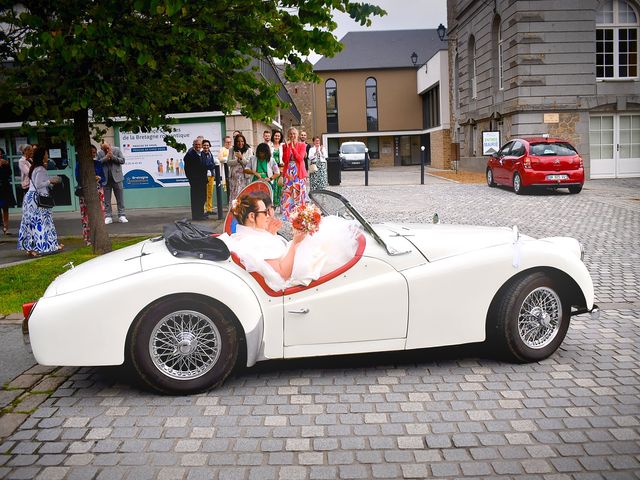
<point x="195" y="170"/>
<point x="112" y="160"/>
<point x="303" y="139"/>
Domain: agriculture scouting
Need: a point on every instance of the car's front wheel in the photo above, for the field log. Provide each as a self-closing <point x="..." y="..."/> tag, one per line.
<point x="182" y="345"/>
<point x="517" y="184"/>
<point x="529" y="320"/>
<point x="490" y="180"/>
<point x="575" y="188"/>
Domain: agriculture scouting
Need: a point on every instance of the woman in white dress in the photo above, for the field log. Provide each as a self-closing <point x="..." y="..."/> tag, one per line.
<point x="318" y="157"/>
<point x="283" y="264"/>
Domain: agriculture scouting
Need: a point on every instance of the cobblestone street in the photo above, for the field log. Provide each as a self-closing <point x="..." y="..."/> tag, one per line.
<point x="447" y="413"/>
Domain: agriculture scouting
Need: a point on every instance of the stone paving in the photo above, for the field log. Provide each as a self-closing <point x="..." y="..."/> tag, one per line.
<point x="439" y="413"/>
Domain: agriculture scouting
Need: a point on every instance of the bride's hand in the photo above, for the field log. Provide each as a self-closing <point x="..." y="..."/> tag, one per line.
<point x="298" y="236"/>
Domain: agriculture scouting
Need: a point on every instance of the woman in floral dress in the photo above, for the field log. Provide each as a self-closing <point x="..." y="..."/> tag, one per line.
<point x="294" y="190"/>
<point x="238" y="162"/>
<point x="276" y="154"/>
<point x="37" y="232"/>
<point x="318" y="157"/>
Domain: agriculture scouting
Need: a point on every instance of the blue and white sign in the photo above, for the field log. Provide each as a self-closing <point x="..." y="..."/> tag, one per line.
<point x="490" y="142"/>
<point x="151" y="163"/>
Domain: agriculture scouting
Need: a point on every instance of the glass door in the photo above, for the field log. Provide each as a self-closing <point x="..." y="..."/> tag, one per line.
<point x="614" y="146"/>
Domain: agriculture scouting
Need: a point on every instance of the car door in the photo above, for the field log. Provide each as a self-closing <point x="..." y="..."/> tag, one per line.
<point x="510" y="162"/>
<point x="497" y="164"/>
<point x="362" y="309"/>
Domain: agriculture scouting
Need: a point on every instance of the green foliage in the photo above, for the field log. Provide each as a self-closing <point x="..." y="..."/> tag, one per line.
<point x="143" y="59"/>
<point x="27" y="282"/>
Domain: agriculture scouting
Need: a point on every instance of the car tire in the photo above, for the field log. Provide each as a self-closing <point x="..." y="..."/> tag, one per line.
<point x="530" y="319"/>
<point x="575" y="189"/>
<point x="490" y="181"/>
<point x="183" y="345"/>
<point x="517" y="184"/>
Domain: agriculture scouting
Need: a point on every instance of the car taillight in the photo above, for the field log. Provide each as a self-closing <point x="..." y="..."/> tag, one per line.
<point x="27" y="308"/>
<point x="527" y="162"/>
<point x="581" y="162"/>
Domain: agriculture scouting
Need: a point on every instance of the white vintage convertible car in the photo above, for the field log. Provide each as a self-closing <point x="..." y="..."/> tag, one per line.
<point x="184" y="321"/>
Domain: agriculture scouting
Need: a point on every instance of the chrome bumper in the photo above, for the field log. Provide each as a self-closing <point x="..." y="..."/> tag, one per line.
<point x="594" y="311"/>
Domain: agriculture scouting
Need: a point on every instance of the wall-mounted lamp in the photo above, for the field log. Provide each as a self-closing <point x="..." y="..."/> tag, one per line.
<point x="414" y="58"/>
<point x="442" y="32"/>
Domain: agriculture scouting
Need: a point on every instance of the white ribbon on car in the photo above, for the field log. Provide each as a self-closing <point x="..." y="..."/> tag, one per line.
<point x="516" y="247"/>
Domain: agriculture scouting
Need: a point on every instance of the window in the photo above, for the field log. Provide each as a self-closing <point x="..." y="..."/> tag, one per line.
<point x="518" y="149"/>
<point x="373" y="144"/>
<point x="371" y="90"/>
<point x="473" y="85"/>
<point x="500" y="59"/>
<point x="431" y="108"/>
<point x="616" y="40"/>
<point x="331" y="94"/>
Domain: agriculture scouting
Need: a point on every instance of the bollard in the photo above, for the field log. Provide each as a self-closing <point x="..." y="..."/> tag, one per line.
<point x="366" y="167"/>
<point x="422" y="165"/>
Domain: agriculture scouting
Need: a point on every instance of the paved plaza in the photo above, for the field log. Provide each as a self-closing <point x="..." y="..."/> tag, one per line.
<point x="440" y="413"/>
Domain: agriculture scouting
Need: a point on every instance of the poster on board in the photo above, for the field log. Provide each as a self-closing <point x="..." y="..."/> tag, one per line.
<point x="490" y="142"/>
<point x="151" y="163"/>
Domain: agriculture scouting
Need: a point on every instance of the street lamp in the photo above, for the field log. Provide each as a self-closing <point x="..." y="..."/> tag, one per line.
<point x="414" y="58"/>
<point x="442" y="32"/>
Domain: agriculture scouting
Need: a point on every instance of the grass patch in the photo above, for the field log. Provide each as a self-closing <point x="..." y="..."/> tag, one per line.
<point x="27" y="282"/>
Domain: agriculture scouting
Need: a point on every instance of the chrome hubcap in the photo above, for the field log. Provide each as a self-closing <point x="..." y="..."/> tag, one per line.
<point x="539" y="317"/>
<point x="516" y="183"/>
<point x="185" y="345"/>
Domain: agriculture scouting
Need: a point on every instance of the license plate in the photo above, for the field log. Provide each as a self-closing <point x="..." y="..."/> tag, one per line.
<point x="557" y="177"/>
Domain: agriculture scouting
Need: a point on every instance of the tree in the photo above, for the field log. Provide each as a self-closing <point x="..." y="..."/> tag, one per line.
<point x="73" y="64"/>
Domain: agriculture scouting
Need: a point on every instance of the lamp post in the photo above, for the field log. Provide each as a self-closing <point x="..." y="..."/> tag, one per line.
<point x="422" y="165"/>
<point x="366" y="167"/>
<point x="414" y="58"/>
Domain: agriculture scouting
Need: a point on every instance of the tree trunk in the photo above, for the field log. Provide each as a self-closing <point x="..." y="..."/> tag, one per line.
<point x="99" y="237"/>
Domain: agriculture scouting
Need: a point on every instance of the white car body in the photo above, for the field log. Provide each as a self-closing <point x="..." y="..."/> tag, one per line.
<point x="434" y="289"/>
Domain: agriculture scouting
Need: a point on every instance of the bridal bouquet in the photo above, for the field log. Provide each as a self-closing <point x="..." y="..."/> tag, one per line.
<point x="306" y="218"/>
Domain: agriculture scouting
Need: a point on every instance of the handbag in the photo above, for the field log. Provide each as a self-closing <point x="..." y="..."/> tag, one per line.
<point x="313" y="168"/>
<point x="43" y="201"/>
<point x="78" y="191"/>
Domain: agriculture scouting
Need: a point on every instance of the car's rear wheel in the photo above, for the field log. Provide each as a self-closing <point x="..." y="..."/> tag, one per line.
<point x="517" y="184"/>
<point x="575" y="188"/>
<point x="183" y="345"/>
<point x="490" y="180"/>
<point x="530" y="319"/>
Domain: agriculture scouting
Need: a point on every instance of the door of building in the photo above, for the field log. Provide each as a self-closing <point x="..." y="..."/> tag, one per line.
<point x="615" y="145"/>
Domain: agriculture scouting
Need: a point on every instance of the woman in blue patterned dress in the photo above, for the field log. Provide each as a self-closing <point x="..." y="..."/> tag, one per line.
<point x="37" y="235"/>
<point x="294" y="190"/>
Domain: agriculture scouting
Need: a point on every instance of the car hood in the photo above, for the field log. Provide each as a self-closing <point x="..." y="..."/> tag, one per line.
<point x="105" y="268"/>
<point x="439" y="241"/>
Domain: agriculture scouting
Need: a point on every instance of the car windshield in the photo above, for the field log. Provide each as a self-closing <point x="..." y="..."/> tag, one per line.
<point x="556" y="149"/>
<point x="352" y="149"/>
<point x="331" y="203"/>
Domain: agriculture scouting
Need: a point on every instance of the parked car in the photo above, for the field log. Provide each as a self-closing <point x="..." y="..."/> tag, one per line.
<point x="352" y="155"/>
<point x="183" y="321"/>
<point x="536" y="162"/>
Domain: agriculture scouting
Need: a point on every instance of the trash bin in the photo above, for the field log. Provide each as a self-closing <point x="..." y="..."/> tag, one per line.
<point x="334" y="170"/>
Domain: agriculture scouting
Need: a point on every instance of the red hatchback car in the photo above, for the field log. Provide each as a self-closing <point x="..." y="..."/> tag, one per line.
<point x="536" y="162"/>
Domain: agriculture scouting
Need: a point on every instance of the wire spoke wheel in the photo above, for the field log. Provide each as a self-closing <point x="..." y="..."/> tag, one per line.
<point x="185" y="344"/>
<point x="539" y="317"/>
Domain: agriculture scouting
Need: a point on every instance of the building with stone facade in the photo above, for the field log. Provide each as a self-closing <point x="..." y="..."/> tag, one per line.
<point x="388" y="89"/>
<point x="567" y="69"/>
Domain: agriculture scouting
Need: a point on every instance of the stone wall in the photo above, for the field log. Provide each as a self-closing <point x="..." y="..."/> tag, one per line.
<point x="302" y="95"/>
<point x="441" y="149"/>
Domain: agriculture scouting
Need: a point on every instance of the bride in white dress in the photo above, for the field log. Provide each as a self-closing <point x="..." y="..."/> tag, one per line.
<point x="298" y="262"/>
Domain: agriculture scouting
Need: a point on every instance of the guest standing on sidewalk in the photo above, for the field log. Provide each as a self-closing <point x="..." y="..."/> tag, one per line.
<point x="37" y="235"/>
<point x="112" y="161"/>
